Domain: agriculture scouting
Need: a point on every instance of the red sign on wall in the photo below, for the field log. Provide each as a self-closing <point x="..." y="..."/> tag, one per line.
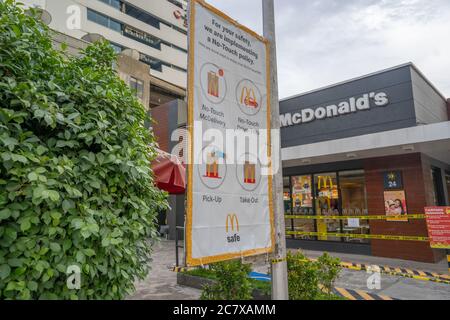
<point x="438" y="222"/>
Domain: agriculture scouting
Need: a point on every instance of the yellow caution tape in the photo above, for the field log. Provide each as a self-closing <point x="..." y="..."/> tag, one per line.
<point x="384" y="217"/>
<point x="180" y="269"/>
<point x="357" y="236"/>
<point x="274" y="261"/>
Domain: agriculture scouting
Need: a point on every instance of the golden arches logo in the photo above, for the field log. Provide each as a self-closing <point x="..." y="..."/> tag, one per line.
<point x="232" y="223"/>
<point x="248" y="97"/>
<point x="323" y="182"/>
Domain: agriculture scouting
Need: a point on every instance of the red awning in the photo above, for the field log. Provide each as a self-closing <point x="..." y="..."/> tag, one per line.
<point x="170" y="173"/>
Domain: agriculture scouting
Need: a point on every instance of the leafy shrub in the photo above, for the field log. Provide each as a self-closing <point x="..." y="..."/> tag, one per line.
<point x="75" y="181"/>
<point x="233" y="282"/>
<point x="311" y="280"/>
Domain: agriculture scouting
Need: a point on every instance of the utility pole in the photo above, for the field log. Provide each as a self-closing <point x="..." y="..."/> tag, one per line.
<point x="279" y="265"/>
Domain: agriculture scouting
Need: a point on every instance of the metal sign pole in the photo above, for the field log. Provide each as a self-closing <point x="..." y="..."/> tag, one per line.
<point x="279" y="265"/>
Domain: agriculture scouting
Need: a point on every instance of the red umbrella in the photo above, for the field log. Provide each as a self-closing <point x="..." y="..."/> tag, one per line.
<point x="170" y="173"/>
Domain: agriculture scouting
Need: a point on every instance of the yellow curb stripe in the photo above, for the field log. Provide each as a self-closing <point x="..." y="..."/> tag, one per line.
<point x="423" y="274"/>
<point x="345" y="293"/>
<point x="385" y="298"/>
<point x="364" y="295"/>
<point x="409" y="271"/>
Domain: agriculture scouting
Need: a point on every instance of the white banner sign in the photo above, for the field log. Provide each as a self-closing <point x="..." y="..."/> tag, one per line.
<point x="230" y="211"/>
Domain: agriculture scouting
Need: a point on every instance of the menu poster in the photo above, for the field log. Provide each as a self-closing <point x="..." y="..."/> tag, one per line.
<point x="229" y="211"/>
<point x="438" y="222"/>
<point x="395" y="206"/>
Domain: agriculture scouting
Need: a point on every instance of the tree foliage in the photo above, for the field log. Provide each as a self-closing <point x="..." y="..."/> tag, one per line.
<point x="76" y="186"/>
<point x="312" y="280"/>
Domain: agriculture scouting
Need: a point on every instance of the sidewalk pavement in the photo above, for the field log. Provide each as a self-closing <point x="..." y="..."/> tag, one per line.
<point x="393" y="286"/>
<point x="161" y="283"/>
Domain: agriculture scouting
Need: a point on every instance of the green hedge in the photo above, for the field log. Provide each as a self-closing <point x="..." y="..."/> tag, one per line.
<point x="75" y="181"/>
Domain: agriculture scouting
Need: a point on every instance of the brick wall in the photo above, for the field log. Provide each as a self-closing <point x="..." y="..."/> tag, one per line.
<point x="160" y="116"/>
<point x="417" y="189"/>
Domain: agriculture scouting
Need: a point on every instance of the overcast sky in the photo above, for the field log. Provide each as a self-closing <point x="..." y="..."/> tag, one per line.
<point x="321" y="42"/>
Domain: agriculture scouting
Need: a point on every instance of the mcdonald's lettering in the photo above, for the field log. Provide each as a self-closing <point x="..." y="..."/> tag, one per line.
<point x="248" y="98"/>
<point x="232" y="225"/>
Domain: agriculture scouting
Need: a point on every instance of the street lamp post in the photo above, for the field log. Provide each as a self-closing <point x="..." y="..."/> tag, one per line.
<point x="279" y="264"/>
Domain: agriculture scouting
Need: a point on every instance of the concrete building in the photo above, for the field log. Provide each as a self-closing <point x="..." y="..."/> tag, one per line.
<point x="129" y="68"/>
<point x="155" y="31"/>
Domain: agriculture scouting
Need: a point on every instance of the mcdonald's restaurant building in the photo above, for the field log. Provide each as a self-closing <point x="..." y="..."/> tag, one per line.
<point x="361" y="160"/>
<point x="377" y="146"/>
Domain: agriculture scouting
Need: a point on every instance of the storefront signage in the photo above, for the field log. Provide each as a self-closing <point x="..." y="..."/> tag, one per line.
<point x="393" y="180"/>
<point x="141" y="36"/>
<point x="438" y="222"/>
<point x="353" y="105"/>
<point x="229" y="211"/>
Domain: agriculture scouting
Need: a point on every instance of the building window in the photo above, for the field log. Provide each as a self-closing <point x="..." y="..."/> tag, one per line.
<point x="178" y="3"/>
<point x="117" y="48"/>
<point x="148" y="18"/>
<point x="142" y="16"/>
<point x="113" y="3"/>
<point x="103" y="20"/>
<point x="154" y="63"/>
<point x="438" y="188"/>
<point x="327" y="194"/>
<point x="138" y="87"/>
<point x="160" y="95"/>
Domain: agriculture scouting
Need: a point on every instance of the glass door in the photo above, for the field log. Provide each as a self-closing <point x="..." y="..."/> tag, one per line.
<point x="327" y="204"/>
<point x="354" y="203"/>
<point x="287" y="200"/>
<point x="302" y="205"/>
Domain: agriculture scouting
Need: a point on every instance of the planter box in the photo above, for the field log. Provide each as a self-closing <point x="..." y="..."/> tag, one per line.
<point x="198" y="283"/>
<point x="193" y="281"/>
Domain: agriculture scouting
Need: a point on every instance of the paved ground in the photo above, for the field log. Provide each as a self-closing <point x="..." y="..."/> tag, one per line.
<point x="395" y="286"/>
<point x="392" y="286"/>
<point x="161" y="283"/>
